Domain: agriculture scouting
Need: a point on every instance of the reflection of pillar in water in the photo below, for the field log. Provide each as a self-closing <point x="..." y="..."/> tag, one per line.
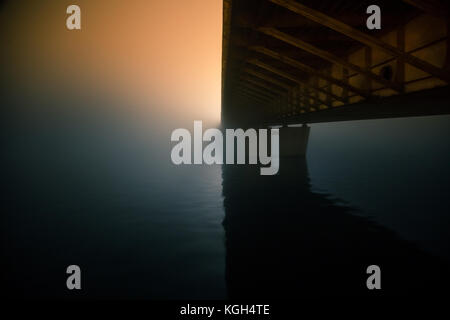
<point x="294" y="140"/>
<point x="285" y="241"/>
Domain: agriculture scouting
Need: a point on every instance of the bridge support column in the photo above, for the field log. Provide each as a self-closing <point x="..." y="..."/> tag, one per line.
<point x="294" y="141"/>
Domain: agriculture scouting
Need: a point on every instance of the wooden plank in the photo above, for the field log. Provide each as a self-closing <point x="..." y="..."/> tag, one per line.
<point x="447" y="46"/>
<point x="305" y="68"/>
<point x="315" y="94"/>
<point x="413" y="104"/>
<point x="281" y="93"/>
<point x="279" y="83"/>
<point x="257" y="90"/>
<point x="308" y="96"/>
<point x="245" y="96"/>
<point x="368" y="67"/>
<point x="263" y="85"/>
<point x="267" y="78"/>
<point x="289" y="77"/>
<point x="297" y="105"/>
<point x="362" y="37"/>
<point x="326" y="55"/>
<point x="400" y="72"/>
<point x="252" y="94"/>
<point x="259" y="87"/>
<point x="306" y="100"/>
<point x="329" y="88"/>
<point x="345" y="78"/>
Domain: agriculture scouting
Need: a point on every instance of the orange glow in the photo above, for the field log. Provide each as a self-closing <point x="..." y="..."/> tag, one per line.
<point x="166" y="54"/>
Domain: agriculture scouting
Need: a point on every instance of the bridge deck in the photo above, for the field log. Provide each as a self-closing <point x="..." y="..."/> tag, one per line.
<point x="287" y="61"/>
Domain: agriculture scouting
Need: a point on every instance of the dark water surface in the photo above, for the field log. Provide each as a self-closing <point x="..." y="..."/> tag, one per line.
<point x="369" y="192"/>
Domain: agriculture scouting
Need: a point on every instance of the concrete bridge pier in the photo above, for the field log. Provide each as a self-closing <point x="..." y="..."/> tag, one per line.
<point x="294" y="141"/>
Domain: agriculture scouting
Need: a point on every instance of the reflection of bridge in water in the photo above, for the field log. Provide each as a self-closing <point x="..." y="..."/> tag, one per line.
<point x="283" y="240"/>
<point x="291" y="62"/>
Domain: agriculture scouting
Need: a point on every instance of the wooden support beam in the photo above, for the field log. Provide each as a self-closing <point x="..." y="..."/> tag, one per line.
<point x="282" y="98"/>
<point x="307" y="69"/>
<point x="296" y="100"/>
<point x="252" y="94"/>
<point x="362" y="37"/>
<point x="263" y="85"/>
<point x="246" y="96"/>
<point x="288" y="76"/>
<point x="326" y="55"/>
<point x="345" y="78"/>
<point x="283" y="106"/>
<point x="412" y="104"/>
<point x="292" y="101"/>
<point x="280" y="73"/>
<point x="293" y="95"/>
<point x="306" y="99"/>
<point x="400" y="69"/>
<point x="368" y="67"/>
<point x="329" y="89"/>
<point x="289" y="103"/>
<point x="447" y="45"/>
<point x="314" y="97"/>
<point x="278" y="105"/>
<point x="264" y="77"/>
<point x="267" y="78"/>
<point x="281" y="84"/>
<point x="315" y="94"/>
<point x="248" y="93"/>
<point x="258" y="90"/>
<point x="306" y="86"/>
<point x="251" y="99"/>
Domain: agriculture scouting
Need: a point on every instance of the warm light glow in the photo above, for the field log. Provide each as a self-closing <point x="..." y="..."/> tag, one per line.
<point x="166" y="54"/>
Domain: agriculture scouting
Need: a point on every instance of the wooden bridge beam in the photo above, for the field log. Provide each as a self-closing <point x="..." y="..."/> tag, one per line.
<point x="290" y="77"/>
<point x="257" y="82"/>
<point x="252" y="94"/>
<point x="257" y="90"/>
<point x="246" y="96"/>
<point x="308" y="69"/>
<point x="327" y="56"/>
<point x="267" y="78"/>
<point x="281" y="84"/>
<point x="362" y="37"/>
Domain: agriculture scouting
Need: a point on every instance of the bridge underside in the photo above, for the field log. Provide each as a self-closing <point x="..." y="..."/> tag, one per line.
<point x="289" y="62"/>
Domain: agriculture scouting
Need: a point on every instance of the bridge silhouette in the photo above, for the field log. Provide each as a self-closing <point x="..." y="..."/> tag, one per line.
<point x="288" y="63"/>
<point x="295" y="62"/>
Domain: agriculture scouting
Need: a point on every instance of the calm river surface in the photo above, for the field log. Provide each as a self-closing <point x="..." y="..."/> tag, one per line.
<point x="111" y="202"/>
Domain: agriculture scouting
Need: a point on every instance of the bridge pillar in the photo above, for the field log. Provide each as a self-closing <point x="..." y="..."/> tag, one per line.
<point x="294" y="141"/>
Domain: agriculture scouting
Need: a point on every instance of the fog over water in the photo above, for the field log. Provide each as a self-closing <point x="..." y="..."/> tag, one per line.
<point x="97" y="188"/>
<point x="396" y="171"/>
<point x="88" y="179"/>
